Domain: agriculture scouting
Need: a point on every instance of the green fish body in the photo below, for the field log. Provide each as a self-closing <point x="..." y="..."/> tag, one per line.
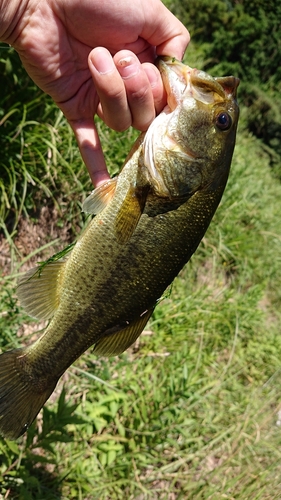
<point x="148" y="222"/>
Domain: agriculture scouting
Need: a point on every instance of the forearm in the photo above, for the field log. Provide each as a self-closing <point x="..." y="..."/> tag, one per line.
<point x="11" y="16"/>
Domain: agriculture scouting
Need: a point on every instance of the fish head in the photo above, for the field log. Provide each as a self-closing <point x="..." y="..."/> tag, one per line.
<point x="189" y="146"/>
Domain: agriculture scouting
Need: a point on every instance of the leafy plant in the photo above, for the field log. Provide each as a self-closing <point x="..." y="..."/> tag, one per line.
<point x="192" y="411"/>
<point x="242" y="38"/>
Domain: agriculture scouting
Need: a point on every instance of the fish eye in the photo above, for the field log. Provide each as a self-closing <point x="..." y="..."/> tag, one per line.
<point x="223" y="121"/>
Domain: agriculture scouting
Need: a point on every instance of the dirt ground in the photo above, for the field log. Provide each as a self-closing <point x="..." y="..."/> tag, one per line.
<point x="31" y="236"/>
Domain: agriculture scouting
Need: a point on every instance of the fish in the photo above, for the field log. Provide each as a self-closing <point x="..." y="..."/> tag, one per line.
<point x="147" y="222"/>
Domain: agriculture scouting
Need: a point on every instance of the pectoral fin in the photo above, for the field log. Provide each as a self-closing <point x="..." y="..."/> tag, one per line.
<point x="130" y="213"/>
<point x="39" y="290"/>
<point x="100" y="197"/>
<point x="118" y="342"/>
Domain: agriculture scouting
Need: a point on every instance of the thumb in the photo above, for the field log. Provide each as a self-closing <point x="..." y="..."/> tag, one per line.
<point x="164" y="31"/>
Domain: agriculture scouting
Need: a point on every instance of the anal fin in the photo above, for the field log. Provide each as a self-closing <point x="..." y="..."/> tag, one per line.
<point x="118" y="342"/>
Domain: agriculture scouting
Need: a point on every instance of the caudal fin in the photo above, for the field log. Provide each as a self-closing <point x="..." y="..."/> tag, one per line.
<point x="21" y="395"/>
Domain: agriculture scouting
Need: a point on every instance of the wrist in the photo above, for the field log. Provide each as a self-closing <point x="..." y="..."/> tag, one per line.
<point x="11" y="13"/>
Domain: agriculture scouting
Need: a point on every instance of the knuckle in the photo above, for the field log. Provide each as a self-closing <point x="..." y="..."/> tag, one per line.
<point x="118" y="121"/>
<point x="141" y="95"/>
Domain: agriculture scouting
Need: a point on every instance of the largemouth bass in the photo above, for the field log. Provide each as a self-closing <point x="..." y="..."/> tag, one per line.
<point x="148" y="222"/>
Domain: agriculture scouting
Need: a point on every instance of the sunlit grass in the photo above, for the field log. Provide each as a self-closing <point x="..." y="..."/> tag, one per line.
<point x="192" y="410"/>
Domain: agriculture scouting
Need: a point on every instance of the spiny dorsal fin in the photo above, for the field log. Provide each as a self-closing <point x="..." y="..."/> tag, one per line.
<point x="118" y="342"/>
<point x="130" y="212"/>
<point x="100" y="197"/>
<point x="39" y="289"/>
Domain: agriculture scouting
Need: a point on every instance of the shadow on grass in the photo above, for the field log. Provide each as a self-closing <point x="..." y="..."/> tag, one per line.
<point x="35" y="482"/>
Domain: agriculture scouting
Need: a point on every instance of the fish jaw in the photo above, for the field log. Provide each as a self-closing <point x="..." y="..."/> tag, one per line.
<point x="190" y="144"/>
<point x="182" y="81"/>
<point x="158" y="138"/>
<point x="176" y="80"/>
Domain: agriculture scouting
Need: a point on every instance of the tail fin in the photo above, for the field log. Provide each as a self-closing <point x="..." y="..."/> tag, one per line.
<point x="21" y="395"/>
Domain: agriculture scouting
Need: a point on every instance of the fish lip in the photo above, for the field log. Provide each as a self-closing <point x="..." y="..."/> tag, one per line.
<point x="179" y="79"/>
<point x="171" y="65"/>
<point x="163" y="63"/>
<point x="176" y="77"/>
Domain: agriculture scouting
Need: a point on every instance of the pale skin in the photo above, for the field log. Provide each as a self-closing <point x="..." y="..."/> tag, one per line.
<point x="95" y="57"/>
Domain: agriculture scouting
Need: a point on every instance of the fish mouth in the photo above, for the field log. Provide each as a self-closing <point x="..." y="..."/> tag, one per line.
<point x="176" y="79"/>
<point x="159" y="136"/>
<point x="182" y="81"/>
<point x="188" y="89"/>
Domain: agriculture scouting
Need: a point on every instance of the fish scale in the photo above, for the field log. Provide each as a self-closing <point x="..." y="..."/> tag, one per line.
<point x="147" y="223"/>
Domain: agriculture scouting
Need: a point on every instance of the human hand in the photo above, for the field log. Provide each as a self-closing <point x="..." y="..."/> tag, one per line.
<point x="96" y="57"/>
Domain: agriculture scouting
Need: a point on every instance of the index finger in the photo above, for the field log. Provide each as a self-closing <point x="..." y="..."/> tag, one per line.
<point x="91" y="151"/>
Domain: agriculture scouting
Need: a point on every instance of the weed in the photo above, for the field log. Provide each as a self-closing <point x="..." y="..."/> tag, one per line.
<point x="192" y="411"/>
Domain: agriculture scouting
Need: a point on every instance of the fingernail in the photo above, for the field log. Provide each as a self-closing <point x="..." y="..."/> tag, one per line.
<point x="102" y="61"/>
<point x="128" y="67"/>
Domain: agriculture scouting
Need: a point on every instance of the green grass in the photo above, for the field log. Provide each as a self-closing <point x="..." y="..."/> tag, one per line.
<point x="191" y="411"/>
